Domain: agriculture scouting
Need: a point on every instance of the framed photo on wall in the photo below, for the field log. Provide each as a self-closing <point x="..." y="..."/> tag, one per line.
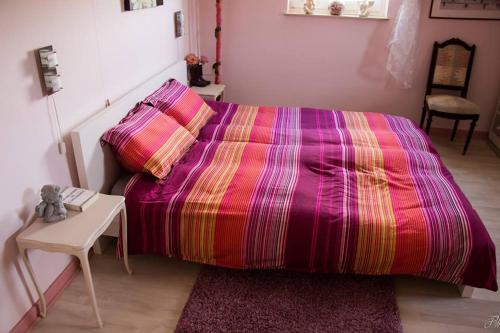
<point x="179" y="24"/>
<point x="465" y="9"/>
<point x="141" y="4"/>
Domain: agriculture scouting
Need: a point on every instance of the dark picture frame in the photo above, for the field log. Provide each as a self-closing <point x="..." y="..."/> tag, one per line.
<point x="471" y="10"/>
<point x="141" y="4"/>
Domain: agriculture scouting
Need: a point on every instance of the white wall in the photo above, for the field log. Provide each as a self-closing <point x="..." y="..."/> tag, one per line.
<point x="103" y="53"/>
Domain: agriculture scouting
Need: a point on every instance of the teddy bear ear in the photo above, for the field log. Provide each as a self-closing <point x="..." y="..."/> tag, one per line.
<point x="57" y="188"/>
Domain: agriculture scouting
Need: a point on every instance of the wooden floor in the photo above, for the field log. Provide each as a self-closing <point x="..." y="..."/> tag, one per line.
<point x="152" y="299"/>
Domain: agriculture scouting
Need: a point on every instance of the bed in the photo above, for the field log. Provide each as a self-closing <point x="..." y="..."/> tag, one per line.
<point x="305" y="189"/>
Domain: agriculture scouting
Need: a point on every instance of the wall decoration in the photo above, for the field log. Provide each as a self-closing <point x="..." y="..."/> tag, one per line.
<point x="142" y="4"/>
<point x="466" y="9"/>
<point x="218" y="40"/>
<point x="179" y="24"/>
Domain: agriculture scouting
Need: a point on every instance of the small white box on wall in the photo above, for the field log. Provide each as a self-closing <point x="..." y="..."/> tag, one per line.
<point x="48" y="67"/>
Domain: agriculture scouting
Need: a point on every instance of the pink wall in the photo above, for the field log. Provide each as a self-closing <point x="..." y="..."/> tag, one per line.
<point x="103" y="53"/>
<point x="270" y="58"/>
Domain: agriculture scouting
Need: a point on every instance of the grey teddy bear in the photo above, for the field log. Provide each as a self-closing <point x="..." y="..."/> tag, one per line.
<point x="51" y="208"/>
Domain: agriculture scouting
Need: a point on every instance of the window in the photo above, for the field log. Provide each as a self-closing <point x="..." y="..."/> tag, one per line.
<point x="351" y="8"/>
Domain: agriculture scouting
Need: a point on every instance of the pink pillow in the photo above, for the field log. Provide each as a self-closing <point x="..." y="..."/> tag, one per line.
<point x="183" y="104"/>
<point x="149" y="141"/>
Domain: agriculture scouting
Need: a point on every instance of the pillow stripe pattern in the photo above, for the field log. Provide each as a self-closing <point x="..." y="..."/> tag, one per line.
<point x="183" y="104"/>
<point x="149" y="141"/>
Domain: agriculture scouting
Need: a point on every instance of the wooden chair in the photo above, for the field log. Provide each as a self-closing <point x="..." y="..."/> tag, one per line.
<point x="450" y="69"/>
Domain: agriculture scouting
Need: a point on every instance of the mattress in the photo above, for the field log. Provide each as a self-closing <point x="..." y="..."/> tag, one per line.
<point x="312" y="190"/>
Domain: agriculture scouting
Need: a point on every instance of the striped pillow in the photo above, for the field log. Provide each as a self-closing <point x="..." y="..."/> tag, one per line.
<point x="183" y="104"/>
<point x="149" y="141"/>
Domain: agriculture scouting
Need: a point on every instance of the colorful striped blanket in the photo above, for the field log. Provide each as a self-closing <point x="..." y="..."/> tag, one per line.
<point x="312" y="190"/>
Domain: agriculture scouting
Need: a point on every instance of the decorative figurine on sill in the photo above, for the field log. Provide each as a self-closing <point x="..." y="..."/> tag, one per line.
<point x="51" y="209"/>
<point x="364" y="7"/>
<point x="309" y="7"/>
<point x="336" y="8"/>
<point x="195" y="67"/>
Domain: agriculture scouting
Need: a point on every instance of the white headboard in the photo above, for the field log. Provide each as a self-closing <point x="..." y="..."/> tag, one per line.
<point x="97" y="167"/>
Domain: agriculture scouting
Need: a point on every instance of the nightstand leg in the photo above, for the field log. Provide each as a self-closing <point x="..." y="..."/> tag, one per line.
<point x="43" y="304"/>
<point x="84" y="262"/>
<point x="123" y="217"/>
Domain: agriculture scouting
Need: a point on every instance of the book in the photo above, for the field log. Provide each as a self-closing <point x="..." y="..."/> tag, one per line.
<point x="78" y="199"/>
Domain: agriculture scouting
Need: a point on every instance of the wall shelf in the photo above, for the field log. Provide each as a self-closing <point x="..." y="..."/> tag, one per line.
<point x="380" y="18"/>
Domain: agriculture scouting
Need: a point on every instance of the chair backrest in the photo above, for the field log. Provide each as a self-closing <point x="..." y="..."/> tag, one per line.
<point x="451" y="66"/>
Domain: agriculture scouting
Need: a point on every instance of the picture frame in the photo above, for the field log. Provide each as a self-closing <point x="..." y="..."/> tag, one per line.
<point x="465" y="9"/>
<point x="141" y="4"/>
<point x="179" y="24"/>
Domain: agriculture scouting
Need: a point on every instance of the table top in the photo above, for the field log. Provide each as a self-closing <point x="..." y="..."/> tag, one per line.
<point x="77" y="232"/>
<point x="210" y="90"/>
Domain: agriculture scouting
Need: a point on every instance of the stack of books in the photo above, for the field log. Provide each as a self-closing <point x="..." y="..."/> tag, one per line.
<point x="78" y="199"/>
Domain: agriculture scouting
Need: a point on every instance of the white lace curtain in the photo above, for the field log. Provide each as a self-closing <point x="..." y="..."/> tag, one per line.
<point x="403" y="43"/>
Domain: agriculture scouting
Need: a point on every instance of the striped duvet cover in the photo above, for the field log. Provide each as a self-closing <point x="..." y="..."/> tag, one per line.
<point x="312" y="190"/>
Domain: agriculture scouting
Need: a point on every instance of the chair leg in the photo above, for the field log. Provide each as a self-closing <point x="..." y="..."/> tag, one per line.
<point x="422" y="119"/>
<point x="454" y="133"/>
<point x="469" y="136"/>
<point x="429" y="122"/>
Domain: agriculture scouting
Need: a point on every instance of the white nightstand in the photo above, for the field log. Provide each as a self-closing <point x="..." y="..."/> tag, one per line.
<point x="212" y="92"/>
<point x="75" y="236"/>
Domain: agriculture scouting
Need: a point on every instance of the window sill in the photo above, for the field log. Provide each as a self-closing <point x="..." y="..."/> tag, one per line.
<point x="383" y="18"/>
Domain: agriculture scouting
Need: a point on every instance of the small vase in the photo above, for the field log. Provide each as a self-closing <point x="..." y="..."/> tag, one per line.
<point x="309" y="7"/>
<point x="196" y="76"/>
<point x="364" y="7"/>
<point x="336" y="8"/>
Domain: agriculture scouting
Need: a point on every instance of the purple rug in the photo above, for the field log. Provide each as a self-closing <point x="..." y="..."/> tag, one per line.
<point x="226" y="300"/>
